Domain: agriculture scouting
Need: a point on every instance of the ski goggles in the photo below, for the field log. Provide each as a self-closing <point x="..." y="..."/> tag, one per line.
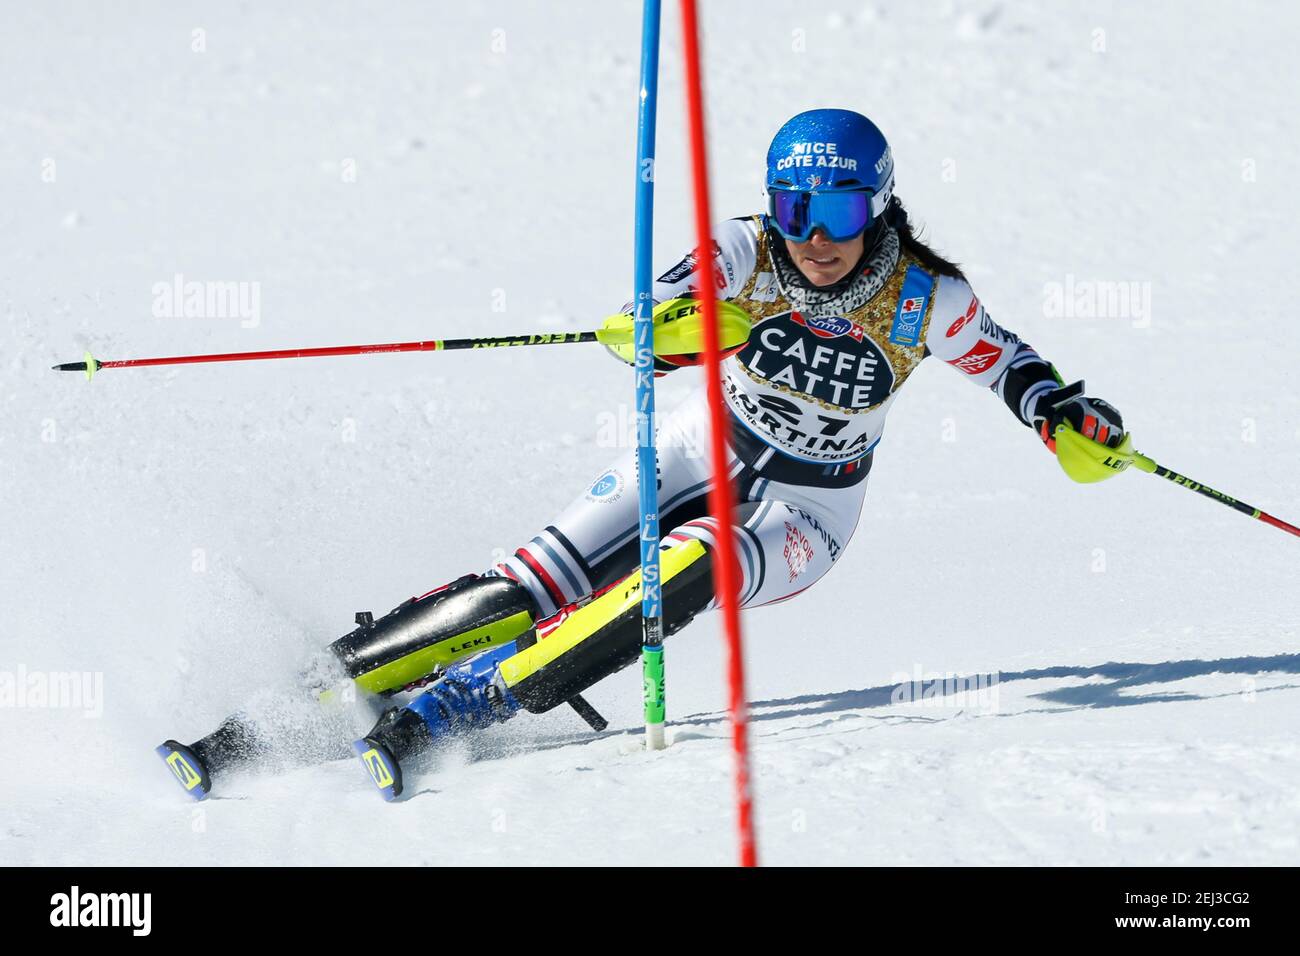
<point x="841" y="215"/>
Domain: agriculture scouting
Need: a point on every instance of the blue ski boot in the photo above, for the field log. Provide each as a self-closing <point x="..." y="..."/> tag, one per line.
<point x="468" y="696"/>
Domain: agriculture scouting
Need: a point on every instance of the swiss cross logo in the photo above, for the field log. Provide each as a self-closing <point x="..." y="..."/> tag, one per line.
<point x="981" y="357"/>
<point x="961" y="322"/>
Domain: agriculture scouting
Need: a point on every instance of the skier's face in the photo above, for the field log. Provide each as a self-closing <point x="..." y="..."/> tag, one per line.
<point x="824" y="262"/>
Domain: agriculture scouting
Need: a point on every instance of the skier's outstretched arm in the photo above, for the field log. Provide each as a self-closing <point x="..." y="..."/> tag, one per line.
<point x="963" y="335"/>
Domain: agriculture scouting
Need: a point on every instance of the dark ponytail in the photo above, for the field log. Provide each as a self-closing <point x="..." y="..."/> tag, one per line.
<point x="896" y="215"/>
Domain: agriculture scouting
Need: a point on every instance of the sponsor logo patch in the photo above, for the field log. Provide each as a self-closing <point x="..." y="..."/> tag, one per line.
<point x="832" y="545"/>
<point x="377" y="769"/>
<point x="765" y="289"/>
<point x="910" y="314"/>
<point x="981" y="357"/>
<point x="812" y="357"/>
<point x="684" y="268"/>
<point x="680" y="271"/>
<point x="828" y="326"/>
<point x="608" y="487"/>
<point x="798" y="550"/>
<point x="886" y="161"/>
<point x="187" y="775"/>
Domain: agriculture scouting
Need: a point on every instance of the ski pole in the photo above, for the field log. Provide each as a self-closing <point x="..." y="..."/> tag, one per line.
<point x="1150" y="467"/>
<point x="90" y="365"/>
<point x="1086" y="460"/>
<point x="678" y="324"/>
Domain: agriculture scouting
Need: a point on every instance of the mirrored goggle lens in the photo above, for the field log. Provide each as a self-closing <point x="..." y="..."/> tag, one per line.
<point x="841" y="215"/>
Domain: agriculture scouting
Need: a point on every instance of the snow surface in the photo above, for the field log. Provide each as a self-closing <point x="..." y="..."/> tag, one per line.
<point x="190" y="535"/>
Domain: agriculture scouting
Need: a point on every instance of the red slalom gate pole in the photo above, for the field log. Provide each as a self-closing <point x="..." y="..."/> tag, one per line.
<point x="722" y="496"/>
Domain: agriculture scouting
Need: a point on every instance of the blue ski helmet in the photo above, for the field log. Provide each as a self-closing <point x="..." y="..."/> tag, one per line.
<point x="830" y="169"/>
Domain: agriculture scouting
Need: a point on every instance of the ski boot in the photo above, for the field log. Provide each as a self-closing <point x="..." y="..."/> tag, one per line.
<point x="468" y="696"/>
<point x="193" y="765"/>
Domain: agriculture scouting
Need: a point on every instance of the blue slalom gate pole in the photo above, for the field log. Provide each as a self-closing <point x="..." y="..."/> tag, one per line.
<point x="652" y="636"/>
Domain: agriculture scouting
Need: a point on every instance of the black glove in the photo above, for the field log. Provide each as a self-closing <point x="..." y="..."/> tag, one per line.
<point x="1090" y="417"/>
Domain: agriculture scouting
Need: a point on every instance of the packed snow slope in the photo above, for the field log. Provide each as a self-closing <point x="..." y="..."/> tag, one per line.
<point x="403" y="171"/>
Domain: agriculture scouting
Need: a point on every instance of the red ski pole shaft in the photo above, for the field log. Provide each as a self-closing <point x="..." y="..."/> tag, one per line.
<point x="90" y="364"/>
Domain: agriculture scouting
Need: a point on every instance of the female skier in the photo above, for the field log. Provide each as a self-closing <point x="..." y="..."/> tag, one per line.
<point x="843" y="302"/>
